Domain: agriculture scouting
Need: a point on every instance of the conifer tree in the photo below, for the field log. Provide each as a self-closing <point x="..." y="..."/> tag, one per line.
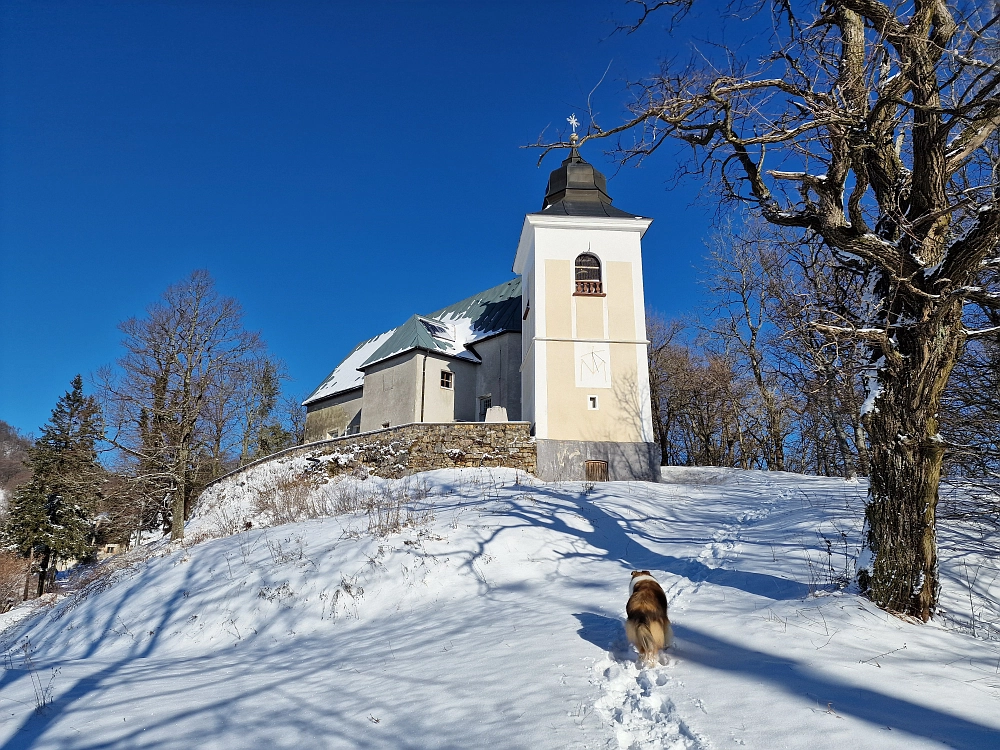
<point x="51" y="516"/>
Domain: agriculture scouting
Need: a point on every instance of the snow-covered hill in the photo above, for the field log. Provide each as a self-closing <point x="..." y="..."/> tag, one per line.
<point x="494" y="618"/>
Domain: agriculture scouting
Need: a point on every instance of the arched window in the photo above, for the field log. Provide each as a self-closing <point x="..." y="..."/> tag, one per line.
<point x="588" y="274"/>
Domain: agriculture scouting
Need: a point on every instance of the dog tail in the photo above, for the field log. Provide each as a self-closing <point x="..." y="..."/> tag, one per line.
<point x="650" y="637"/>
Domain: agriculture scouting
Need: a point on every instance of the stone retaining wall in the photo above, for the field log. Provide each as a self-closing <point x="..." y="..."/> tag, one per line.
<point x="422" y="446"/>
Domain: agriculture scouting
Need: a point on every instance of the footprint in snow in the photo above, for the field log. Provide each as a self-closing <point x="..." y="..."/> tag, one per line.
<point x="637" y="707"/>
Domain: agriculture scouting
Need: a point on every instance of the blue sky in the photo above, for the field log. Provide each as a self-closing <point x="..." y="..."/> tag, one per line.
<point x="335" y="166"/>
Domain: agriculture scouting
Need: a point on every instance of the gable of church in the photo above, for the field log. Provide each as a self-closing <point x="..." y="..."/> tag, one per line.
<point x="449" y="331"/>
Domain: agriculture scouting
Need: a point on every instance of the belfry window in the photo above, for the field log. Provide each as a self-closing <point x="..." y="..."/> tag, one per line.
<point x="588" y="275"/>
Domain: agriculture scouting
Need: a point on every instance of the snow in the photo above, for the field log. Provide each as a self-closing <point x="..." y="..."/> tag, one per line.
<point x="887" y="80"/>
<point x="873" y="386"/>
<point x="453" y="332"/>
<point x="494" y="618"/>
<point x="972" y="332"/>
<point x="346" y="375"/>
<point x="465" y="335"/>
<point x="874" y="239"/>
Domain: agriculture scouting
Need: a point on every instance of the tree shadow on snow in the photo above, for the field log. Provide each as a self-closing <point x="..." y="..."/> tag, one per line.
<point x="846" y="699"/>
<point x="630" y="542"/>
<point x="878" y="709"/>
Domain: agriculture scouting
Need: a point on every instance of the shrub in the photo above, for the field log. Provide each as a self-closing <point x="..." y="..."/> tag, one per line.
<point x="13" y="570"/>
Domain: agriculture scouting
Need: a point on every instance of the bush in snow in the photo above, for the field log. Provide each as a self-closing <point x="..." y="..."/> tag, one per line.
<point x="13" y="570"/>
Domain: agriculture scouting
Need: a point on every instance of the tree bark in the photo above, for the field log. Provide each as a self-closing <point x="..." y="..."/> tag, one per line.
<point x="177" y="509"/>
<point x="27" y="576"/>
<point x="907" y="454"/>
<point x="43" y="569"/>
<point x="861" y="443"/>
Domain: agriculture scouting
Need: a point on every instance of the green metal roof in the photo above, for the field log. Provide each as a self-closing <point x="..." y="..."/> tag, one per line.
<point x="415" y="334"/>
<point x="449" y="331"/>
<point x="495" y="310"/>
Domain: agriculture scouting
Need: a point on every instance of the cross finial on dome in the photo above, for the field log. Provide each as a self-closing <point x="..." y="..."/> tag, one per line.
<point x="574" y="123"/>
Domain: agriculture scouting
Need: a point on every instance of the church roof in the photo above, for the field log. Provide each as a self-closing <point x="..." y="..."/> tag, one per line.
<point x="448" y="331"/>
<point x="495" y="310"/>
<point x="576" y="188"/>
<point x="346" y="376"/>
<point x="421" y="333"/>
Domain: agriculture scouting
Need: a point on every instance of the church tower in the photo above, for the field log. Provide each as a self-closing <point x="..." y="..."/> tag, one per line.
<point x="584" y="373"/>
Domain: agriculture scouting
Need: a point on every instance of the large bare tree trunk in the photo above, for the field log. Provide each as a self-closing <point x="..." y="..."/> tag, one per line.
<point x="907" y="455"/>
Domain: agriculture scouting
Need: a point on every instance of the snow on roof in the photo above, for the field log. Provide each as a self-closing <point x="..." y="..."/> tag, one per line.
<point x="448" y="331"/>
<point x="421" y="333"/>
<point x="346" y="375"/>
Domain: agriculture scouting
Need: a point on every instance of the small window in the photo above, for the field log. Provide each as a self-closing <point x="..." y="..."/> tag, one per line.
<point x="485" y="402"/>
<point x="110" y="549"/>
<point x="588" y="275"/>
<point x="592" y="403"/>
<point x="447" y="379"/>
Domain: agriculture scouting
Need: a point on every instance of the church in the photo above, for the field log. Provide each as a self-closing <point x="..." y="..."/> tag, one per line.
<point x="562" y="346"/>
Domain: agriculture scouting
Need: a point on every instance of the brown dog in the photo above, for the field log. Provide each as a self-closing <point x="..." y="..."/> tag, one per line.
<point x="648" y="628"/>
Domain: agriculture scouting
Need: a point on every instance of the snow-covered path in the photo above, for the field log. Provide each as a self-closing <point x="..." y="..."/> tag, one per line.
<point x="498" y="622"/>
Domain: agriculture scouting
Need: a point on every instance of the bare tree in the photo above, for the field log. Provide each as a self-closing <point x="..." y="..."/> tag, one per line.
<point x="796" y="392"/>
<point x="14" y="468"/>
<point x="188" y="349"/>
<point x="700" y="404"/>
<point x="970" y="413"/>
<point x="743" y="265"/>
<point x="873" y="127"/>
<point x="293" y="415"/>
<point x="241" y="413"/>
<point x="826" y="373"/>
<point x="663" y="338"/>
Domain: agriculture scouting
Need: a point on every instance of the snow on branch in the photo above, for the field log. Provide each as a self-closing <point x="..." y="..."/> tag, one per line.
<point x="876" y="336"/>
<point x="981" y="332"/>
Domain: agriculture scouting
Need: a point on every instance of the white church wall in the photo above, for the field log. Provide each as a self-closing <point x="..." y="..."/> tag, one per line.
<point x="617" y="413"/>
<point x="408" y="388"/>
<point x="441" y="404"/>
<point x="528" y="392"/>
<point x="465" y="391"/>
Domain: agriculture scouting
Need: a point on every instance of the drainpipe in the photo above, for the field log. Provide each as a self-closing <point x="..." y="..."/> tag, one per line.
<point x="423" y="385"/>
<point x="500" y="401"/>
